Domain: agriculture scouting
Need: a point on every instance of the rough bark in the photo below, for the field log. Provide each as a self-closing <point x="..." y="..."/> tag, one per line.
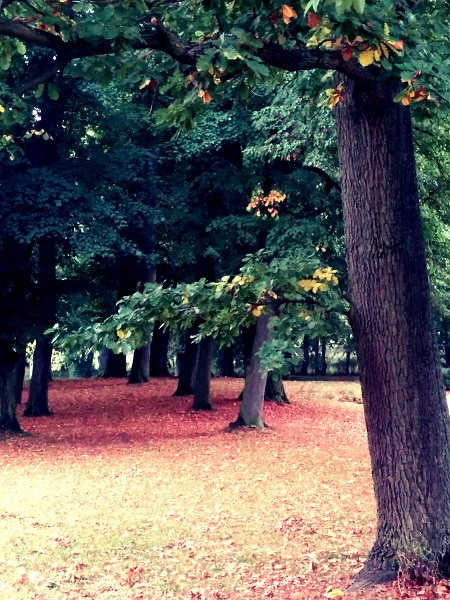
<point x="37" y="403"/>
<point x="116" y="366"/>
<point x="275" y="391"/>
<point x="404" y="402"/>
<point x="202" y="388"/>
<point x="140" y="368"/>
<point x="251" y="408"/>
<point x="8" y="401"/>
<point x="187" y="365"/>
<point x="158" y="351"/>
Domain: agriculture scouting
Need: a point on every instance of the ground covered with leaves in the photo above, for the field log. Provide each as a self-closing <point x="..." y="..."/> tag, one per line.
<point x="125" y="493"/>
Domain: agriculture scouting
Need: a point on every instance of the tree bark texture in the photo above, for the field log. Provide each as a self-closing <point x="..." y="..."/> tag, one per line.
<point x="140" y="368"/>
<point x="16" y="378"/>
<point x="251" y="408"/>
<point x="202" y="388"/>
<point x="187" y="365"/>
<point x="158" y="351"/>
<point x="8" y="400"/>
<point x="37" y="404"/>
<point x="275" y="391"/>
<point x="404" y="400"/>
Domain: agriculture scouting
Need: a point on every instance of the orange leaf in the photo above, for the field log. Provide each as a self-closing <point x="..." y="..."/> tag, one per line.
<point x="288" y="13"/>
<point x="347" y="52"/>
<point x="400" y="45"/>
<point x="313" y="20"/>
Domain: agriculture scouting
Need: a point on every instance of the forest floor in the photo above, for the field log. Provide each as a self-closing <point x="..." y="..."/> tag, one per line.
<point x="126" y="494"/>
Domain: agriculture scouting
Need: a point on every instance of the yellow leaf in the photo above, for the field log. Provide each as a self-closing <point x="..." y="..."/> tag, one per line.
<point x="367" y="57"/>
<point x="288" y="13"/>
<point x="306" y="284"/>
<point x="145" y="84"/>
<point x="2" y="109"/>
<point x="121" y="333"/>
<point x="334" y="593"/>
<point x="256" y="310"/>
<point x="386" y="30"/>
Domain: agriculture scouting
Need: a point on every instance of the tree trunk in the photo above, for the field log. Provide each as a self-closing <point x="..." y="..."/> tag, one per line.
<point x="202" y="391"/>
<point x="37" y="404"/>
<point x="248" y="337"/>
<point x="227" y="361"/>
<point x="305" y="362"/>
<point x="83" y="365"/>
<point x="116" y="365"/>
<point x="158" y="351"/>
<point x="275" y="391"/>
<point x="140" y="369"/>
<point x="251" y="408"/>
<point x="320" y="349"/>
<point x="187" y="364"/>
<point x="16" y="378"/>
<point x="404" y="401"/>
<point x="8" y="401"/>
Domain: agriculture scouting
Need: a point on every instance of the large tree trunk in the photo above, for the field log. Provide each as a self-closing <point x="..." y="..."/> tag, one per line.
<point x="275" y="391"/>
<point x="37" y="404"/>
<point x="187" y="365"/>
<point x="8" y="401"/>
<point x="140" y="369"/>
<point x="202" y="388"/>
<point x="251" y="408"/>
<point x="16" y="378"/>
<point x="158" y="351"/>
<point x="404" y="400"/>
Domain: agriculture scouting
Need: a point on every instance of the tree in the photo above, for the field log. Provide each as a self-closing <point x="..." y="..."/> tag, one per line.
<point x="406" y="413"/>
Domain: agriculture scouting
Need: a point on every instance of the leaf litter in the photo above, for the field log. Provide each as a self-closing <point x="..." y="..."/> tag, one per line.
<point x="126" y="494"/>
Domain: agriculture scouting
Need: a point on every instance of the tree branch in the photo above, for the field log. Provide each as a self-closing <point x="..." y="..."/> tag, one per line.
<point x="157" y="37"/>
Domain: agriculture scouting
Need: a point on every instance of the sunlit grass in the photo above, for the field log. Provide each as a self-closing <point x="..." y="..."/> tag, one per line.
<point x="126" y="494"/>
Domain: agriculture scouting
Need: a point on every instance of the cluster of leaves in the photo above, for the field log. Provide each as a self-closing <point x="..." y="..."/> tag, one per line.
<point x="282" y="286"/>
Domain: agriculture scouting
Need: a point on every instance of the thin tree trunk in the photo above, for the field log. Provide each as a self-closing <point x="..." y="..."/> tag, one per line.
<point x="116" y="366"/>
<point x="140" y="369"/>
<point x="187" y="365"/>
<point x="305" y="362"/>
<point x="202" y="388"/>
<point x="275" y="391"/>
<point x="8" y="401"/>
<point x="251" y="408"/>
<point x="227" y="361"/>
<point x="158" y="351"/>
<point x="404" y="401"/>
<point x="37" y="404"/>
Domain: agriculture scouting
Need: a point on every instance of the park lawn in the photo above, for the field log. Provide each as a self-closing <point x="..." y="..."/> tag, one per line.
<point x="124" y="493"/>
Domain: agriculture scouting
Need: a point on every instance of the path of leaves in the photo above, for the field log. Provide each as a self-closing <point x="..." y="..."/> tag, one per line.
<point x="126" y="494"/>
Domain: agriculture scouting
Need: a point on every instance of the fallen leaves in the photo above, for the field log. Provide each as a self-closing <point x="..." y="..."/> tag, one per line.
<point x="124" y="493"/>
